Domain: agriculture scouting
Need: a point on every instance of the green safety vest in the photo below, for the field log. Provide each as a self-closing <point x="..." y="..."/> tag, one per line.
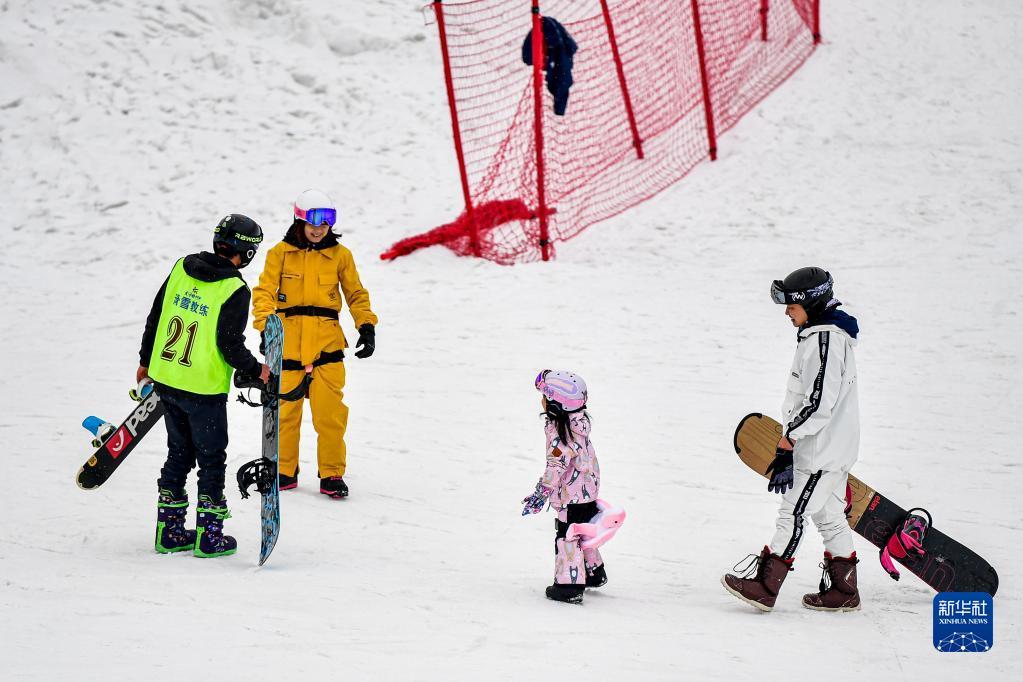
<point x="185" y="353"/>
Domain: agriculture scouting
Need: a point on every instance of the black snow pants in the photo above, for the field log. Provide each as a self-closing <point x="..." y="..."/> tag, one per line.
<point x="196" y="433"/>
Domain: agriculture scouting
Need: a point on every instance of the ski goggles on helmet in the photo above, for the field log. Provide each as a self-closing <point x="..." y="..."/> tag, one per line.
<point x="317" y="216"/>
<point x="782" y="296"/>
<point x="779" y="295"/>
<point x="565" y="388"/>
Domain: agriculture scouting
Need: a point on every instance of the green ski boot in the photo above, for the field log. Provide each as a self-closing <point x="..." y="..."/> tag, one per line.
<point x="171" y="534"/>
<point x="210" y="540"/>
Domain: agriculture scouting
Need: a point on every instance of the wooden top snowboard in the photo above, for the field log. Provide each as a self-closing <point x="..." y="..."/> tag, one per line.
<point x="947" y="565"/>
<point x="755" y="441"/>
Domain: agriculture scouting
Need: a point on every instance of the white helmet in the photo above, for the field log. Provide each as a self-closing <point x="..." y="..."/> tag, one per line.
<point x="315" y="208"/>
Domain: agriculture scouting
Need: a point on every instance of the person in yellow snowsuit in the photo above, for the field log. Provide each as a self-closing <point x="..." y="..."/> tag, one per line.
<point x="300" y="282"/>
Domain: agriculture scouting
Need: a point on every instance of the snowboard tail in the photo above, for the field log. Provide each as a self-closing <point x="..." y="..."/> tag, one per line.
<point x="112" y="448"/>
<point x="946" y="564"/>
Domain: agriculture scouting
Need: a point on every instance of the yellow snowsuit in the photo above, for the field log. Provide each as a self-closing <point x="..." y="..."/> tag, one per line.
<point x="294" y="277"/>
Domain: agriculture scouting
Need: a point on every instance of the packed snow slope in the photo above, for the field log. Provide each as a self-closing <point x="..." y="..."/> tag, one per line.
<point x="127" y="128"/>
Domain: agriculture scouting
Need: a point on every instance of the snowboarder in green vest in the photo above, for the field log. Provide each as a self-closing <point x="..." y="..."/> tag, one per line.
<point x="194" y="339"/>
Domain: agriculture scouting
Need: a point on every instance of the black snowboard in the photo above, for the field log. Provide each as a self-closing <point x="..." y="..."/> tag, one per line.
<point x="947" y="565"/>
<point x="120" y="443"/>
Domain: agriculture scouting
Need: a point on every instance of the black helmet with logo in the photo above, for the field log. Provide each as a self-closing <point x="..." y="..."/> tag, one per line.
<point x="237" y="235"/>
<point x="811" y="288"/>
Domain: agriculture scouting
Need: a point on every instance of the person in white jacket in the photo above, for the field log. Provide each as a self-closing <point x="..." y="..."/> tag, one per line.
<point x="819" y="445"/>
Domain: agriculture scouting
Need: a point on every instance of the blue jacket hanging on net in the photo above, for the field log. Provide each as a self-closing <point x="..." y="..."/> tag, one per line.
<point x="559" y="48"/>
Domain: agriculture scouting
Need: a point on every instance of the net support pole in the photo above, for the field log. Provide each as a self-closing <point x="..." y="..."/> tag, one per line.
<point x="816" y="22"/>
<point x="708" y="107"/>
<point x="541" y="197"/>
<point x="636" y="141"/>
<point x="474" y="241"/>
<point x="764" y="8"/>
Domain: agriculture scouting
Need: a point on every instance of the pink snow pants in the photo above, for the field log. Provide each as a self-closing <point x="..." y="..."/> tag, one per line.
<point x="571" y="562"/>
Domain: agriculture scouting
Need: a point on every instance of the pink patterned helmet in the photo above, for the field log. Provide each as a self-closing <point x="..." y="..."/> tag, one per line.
<point x="564" y="388"/>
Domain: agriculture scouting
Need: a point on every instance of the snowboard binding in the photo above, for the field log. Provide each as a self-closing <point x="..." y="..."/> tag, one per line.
<point x="142" y="391"/>
<point x="247" y="382"/>
<point x="260" y="472"/>
<point x="101" y="429"/>
<point x="600" y="528"/>
<point x="907" y="541"/>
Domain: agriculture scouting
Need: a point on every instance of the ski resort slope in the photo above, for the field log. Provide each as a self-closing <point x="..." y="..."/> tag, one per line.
<point x="893" y="158"/>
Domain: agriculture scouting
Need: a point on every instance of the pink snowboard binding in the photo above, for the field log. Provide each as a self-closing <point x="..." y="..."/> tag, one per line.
<point x="600" y="528"/>
<point x="907" y="541"/>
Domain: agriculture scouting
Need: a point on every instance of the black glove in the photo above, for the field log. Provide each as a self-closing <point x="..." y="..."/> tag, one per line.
<point x="367" y="342"/>
<point x="781" y="478"/>
<point x="262" y="343"/>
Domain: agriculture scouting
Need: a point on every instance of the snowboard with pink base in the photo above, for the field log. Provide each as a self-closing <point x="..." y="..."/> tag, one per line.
<point x="599" y="529"/>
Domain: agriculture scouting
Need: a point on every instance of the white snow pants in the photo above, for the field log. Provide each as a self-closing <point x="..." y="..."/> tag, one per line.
<point x="821" y="496"/>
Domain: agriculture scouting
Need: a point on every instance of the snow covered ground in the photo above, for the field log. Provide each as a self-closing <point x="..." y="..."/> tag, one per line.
<point x="893" y="158"/>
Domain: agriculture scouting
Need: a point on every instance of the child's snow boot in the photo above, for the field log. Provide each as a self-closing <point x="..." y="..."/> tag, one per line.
<point x="596" y="577"/>
<point x="838" y="590"/>
<point x="334" y="487"/>
<point x="210" y="540"/>
<point x="760" y="590"/>
<point x="171" y="512"/>
<point x="570" y="594"/>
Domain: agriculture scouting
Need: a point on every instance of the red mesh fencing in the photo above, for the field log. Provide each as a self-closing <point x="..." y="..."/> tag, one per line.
<point x="594" y="167"/>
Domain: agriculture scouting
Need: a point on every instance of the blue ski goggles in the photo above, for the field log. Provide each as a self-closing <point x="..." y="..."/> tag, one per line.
<point x="317" y="216"/>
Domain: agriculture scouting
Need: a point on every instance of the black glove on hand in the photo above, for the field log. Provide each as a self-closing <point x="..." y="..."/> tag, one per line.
<point x="781" y="478"/>
<point x="367" y="342"/>
<point x="262" y="343"/>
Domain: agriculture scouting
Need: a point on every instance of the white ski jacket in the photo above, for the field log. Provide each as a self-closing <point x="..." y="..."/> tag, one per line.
<point x="821" y="408"/>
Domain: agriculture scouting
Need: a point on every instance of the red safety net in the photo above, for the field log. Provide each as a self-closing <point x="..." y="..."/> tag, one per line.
<point x="593" y="166"/>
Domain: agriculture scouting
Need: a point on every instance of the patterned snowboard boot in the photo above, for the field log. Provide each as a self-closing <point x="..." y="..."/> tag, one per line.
<point x="838" y="590"/>
<point x="210" y="540"/>
<point x="334" y="487"/>
<point x="761" y="590"/>
<point x="570" y="594"/>
<point x="171" y="534"/>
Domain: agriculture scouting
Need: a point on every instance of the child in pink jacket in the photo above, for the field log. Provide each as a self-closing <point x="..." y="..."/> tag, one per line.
<point x="570" y="483"/>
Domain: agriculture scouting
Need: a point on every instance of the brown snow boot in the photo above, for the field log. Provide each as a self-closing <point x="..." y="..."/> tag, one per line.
<point x="761" y="590"/>
<point x="838" y="586"/>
